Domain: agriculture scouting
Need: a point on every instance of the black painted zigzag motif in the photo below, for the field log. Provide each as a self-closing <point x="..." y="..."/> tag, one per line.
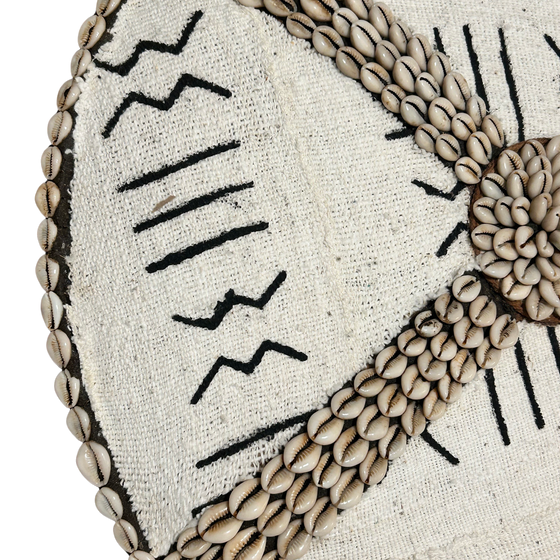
<point x="230" y="300"/>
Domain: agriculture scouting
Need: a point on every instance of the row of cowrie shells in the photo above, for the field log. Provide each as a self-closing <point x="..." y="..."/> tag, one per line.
<point x="93" y="460"/>
<point x="412" y="79"/>
<point x="387" y="403"/>
<point x="519" y="231"/>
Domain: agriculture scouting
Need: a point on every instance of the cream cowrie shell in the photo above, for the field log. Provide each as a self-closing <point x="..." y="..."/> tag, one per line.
<point x="301" y="26"/>
<point x="513" y="289"/>
<point x="456" y="89"/>
<point x="426" y="136"/>
<point x="381" y="17"/>
<point x="420" y="49"/>
<point x="494" y="186"/>
<point x="482" y="311"/>
<point x="342" y="20"/>
<point x="462" y="126"/>
<point x="530" y="149"/>
<point x="493" y="130"/>
<point x="399" y="35"/>
<point x="364" y="38"/>
<point x="468" y="171"/>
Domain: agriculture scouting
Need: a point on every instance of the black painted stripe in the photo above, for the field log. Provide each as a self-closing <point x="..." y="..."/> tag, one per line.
<point x="496" y="406"/>
<point x="451" y="238"/>
<point x="398" y="134"/>
<point x="439" y="42"/>
<point x="191" y="205"/>
<point x="186" y="81"/>
<point x="167" y="170"/>
<point x="552" y="44"/>
<point x="231" y="300"/>
<point x="429" y="439"/>
<point x="555" y="345"/>
<point x="522" y="363"/>
<point x="432" y="191"/>
<point x="475" y="64"/>
<point x="144" y="46"/>
<point x="265" y="433"/>
<point x="176" y="258"/>
<point x="246" y="367"/>
<point x="508" y="70"/>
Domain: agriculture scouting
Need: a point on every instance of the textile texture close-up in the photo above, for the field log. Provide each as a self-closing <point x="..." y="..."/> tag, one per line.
<point x="247" y="205"/>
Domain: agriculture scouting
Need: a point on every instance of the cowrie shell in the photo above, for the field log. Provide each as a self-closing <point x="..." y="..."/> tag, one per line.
<point x="467" y="334"/>
<point x="79" y="424"/>
<point x="430" y="367"/>
<point x="275" y="477"/>
<point x="391" y="402"/>
<point x="301" y="454"/>
<point x="217" y="525"/>
<point x="549" y="291"/>
<point x="539" y="207"/>
<point x="294" y="542"/>
<point x="530" y="149"/>
<point x="493" y="266"/>
<point x="248" y="544"/>
<point x="502" y="211"/>
<point x="125" y="535"/>
<point x="94" y="463"/>
<point x="426" y="136"/>
<point x="553" y="148"/>
<point x="479" y="148"/>
<point x="447" y="147"/>
<point x="482" y="311"/>
<point x="368" y="383"/>
<point x="456" y="89"/>
<point x="526" y="272"/>
<point x="214" y="553"/>
<point x="349" y="61"/>
<point x="371" y="424"/>
<point x="449" y="390"/>
<point x="538" y="163"/>
<point x="364" y="38"/>
<point x="514" y="290"/>
<point x="59" y="348"/>
<point x="274" y="519"/>
<point x="51" y="160"/>
<point x="487" y="356"/>
<point x="321" y="519"/>
<point x="494" y="186"/>
<point x="386" y="54"/>
<point x="59" y="127"/>
<point x="537" y="307"/>
<point x="411" y="344"/>
<point x="52" y="310"/>
<point x="300" y="25"/>
<point x="539" y="183"/>
<point x="326" y="40"/>
<point x="413" y="420"/>
<point x="374" y="77"/>
<point x="426" y="87"/>
<point x="91" y="31"/>
<point x="280" y="8"/>
<point x="347" y="492"/>
<point x="504" y="333"/>
<point x="67" y="389"/>
<point x="483" y="210"/>
<point x="448" y="309"/>
<point x="109" y="504"/>
<point x="350" y="449"/>
<point x="80" y="62"/>
<point x="399" y="35"/>
<point x="525" y="242"/>
<point x="391" y="97"/>
<point x="551" y="221"/>
<point x="444" y="348"/>
<point x="413" y="385"/>
<point x="508" y="162"/>
<point x="360" y="7"/>
<point x="46" y="234"/>
<point x="405" y="72"/>
<point x="468" y="171"/>
<point x="520" y="210"/>
<point x="347" y="403"/>
<point x="549" y="270"/>
<point x="248" y="500"/>
<point x="427" y="325"/>
<point x="483" y="236"/>
<point x="462" y="126"/>
<point x="392" y="446"/>
<point x="413" y="110"/>
<point x="493" y="130"/>
<point x="439" y="66"/>
<point x="47" y="199"/>
<point x="324" y="427"/>
<point x="441" y="113"/>
<point x="476" y="109"/>
<point x="433" y="407"/>
<point x="342" y="21"/>
<point x="390" y="363"/>
<point x="504" y="244"/>
<point x="463" y="366"/>
<point x="327" y="472"/>
<point x="420" y="49"/>
<point x="466" y="288"/>
<point x="302" y="495"/>
<point x="106" y="7"/>
<point x="373" y="468"/>
<point x="381" y="17"/>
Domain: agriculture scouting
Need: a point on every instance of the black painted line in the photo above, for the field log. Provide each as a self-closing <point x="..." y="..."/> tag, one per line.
<point x="439" y="42"/>
<point x="218" y="499"/>
<point x="451" y="238"/>
<point x="522" y="363"/>
<point x="174" y="168"/>
<point x="246" y="367"/>
<point x="475" y="64"/>
<point x="555" y="345"/>
<point x="143" y="46"/>
<point x="191" y="205"/>
<point x="399" y="134"/>
<point x="230" y="300"/>
<point x="174" y="259"/>
<point x="432" y="191"/>
<point x="429" y="439"/>
<point x="552" y="44"/>
<point x="265" y="433"/>
<point x="184" y="82"/>
<point x="496" y="406"/>
<point x="513" y="93"/>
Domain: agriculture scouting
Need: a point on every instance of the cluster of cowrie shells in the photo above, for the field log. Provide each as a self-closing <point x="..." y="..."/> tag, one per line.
<point x="93" y="460"/>
<point x="349" y="444"/>
<point x="517" y="229"/>
<point x="369" y="44"/>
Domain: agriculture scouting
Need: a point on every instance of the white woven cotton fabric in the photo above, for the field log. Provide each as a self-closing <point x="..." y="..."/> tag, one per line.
<point x="358" y="243"/>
